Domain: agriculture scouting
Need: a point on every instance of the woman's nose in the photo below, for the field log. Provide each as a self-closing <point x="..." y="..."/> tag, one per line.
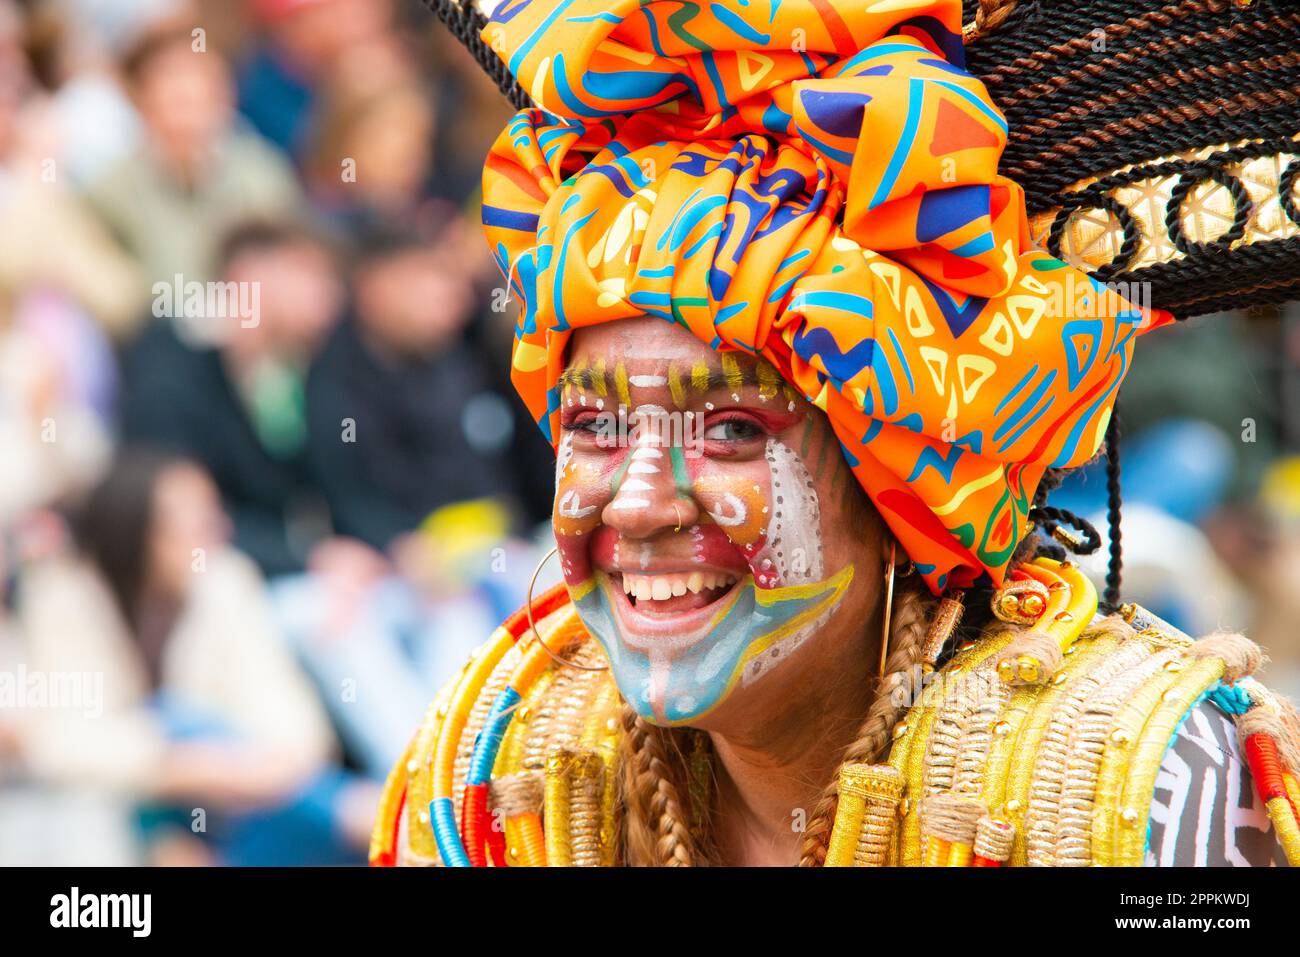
<point x="652" y="496"/>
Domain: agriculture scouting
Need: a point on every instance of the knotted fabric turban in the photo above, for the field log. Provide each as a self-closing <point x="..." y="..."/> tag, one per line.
<point x="815" y="182"/>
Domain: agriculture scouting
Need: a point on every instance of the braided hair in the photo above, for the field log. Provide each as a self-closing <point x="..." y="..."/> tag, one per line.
<point x="656" y="801"/>
<point x="913" y="609"/>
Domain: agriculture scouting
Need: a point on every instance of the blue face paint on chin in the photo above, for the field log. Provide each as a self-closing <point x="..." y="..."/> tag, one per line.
<point x="675" y="676"/>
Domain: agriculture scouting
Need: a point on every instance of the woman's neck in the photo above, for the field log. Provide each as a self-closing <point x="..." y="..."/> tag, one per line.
<point x="770" y="776"/>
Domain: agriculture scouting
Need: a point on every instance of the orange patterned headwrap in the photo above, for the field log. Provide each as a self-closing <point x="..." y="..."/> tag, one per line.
<point x="815" y="182"/>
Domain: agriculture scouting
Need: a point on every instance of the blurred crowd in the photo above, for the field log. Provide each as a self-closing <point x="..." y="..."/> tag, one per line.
<point x="264" y="485"/>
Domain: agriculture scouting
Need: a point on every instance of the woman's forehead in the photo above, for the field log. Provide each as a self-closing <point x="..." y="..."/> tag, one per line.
<point x="652" y="345"/>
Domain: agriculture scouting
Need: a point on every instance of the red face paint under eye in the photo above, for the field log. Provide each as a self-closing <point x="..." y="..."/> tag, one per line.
<point x="763" y="424"/>
<point x="773" y="422"/>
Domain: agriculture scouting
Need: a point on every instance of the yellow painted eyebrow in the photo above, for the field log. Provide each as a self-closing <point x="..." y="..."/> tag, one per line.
<point x="699" y="378"/>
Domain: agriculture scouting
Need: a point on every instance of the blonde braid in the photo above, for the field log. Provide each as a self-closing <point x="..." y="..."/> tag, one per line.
<point x="656" y="819"/>
<point x="911" y="616"/>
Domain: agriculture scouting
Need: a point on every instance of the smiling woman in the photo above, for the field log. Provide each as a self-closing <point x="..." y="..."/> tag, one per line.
<point x="703" y="573"/>
<point x="805" y="617"/>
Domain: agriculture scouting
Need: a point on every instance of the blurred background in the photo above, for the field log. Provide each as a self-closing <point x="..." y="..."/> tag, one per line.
<point x="263" y="484"/>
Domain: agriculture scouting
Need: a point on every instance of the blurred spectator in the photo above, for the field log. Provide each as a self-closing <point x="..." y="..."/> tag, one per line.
<point x="112" y="25"/>
<point x="196" y="172"/>
<point x="390" y="641"/>
<point x="57" y="271"/>
<point x="127" y="178"/>
<point x="56" y="374"/>
<point x="401" y="421"/>
<point x="471" y="114"/>
<point x="71" y="45"/>
<point x="371" y="163"/>
<point x="238" y="406"/>
<point x="1237" y="391"/>
<point x="1174" y="477"/>
<point x="1261" y="541"/>
<point x="305" y="44"/>
<point x="48" y="240"/>
<point x="194" y="704"/>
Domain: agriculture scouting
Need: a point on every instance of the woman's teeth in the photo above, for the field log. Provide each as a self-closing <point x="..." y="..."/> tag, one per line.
<point x="663" y="587"/>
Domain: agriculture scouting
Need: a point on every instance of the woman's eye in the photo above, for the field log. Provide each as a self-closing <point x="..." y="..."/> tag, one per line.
<point x="732" y="430"/>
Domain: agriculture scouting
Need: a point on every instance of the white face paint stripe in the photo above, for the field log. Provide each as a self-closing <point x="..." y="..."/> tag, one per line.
<point x="625" y="503"/>
<point x="648" y="381"/>
<point x="571" y="506"/>
<point x="639" y="465"/>
<point x="636" y="485"/>
<point x="730" y="511"/>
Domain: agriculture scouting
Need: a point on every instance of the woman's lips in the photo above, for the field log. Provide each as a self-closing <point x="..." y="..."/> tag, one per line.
<point x="675" y="615"/>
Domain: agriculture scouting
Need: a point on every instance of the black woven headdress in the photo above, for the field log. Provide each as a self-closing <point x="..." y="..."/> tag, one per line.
<point x="1156" y="142"/>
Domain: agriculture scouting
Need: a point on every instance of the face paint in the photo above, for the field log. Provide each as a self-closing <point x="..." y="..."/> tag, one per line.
<point x="697" y="573"/>
<point x="676" y="670"/>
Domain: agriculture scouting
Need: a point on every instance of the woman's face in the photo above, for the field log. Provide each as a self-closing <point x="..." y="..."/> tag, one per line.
<point x="711" y="534"/>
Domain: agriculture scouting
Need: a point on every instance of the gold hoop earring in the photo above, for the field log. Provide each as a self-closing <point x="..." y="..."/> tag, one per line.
<point x="532" y="625"/>
<point x="889" y="607"/>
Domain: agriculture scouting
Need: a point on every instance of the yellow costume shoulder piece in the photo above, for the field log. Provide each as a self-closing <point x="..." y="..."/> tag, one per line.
<point x="526" y="722"/>
<point x="1038" y="744"/>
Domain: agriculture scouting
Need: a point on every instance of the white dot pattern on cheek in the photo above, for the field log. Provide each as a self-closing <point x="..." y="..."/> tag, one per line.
<point x="794" y="542"/>
<point x="563" y="456"/>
